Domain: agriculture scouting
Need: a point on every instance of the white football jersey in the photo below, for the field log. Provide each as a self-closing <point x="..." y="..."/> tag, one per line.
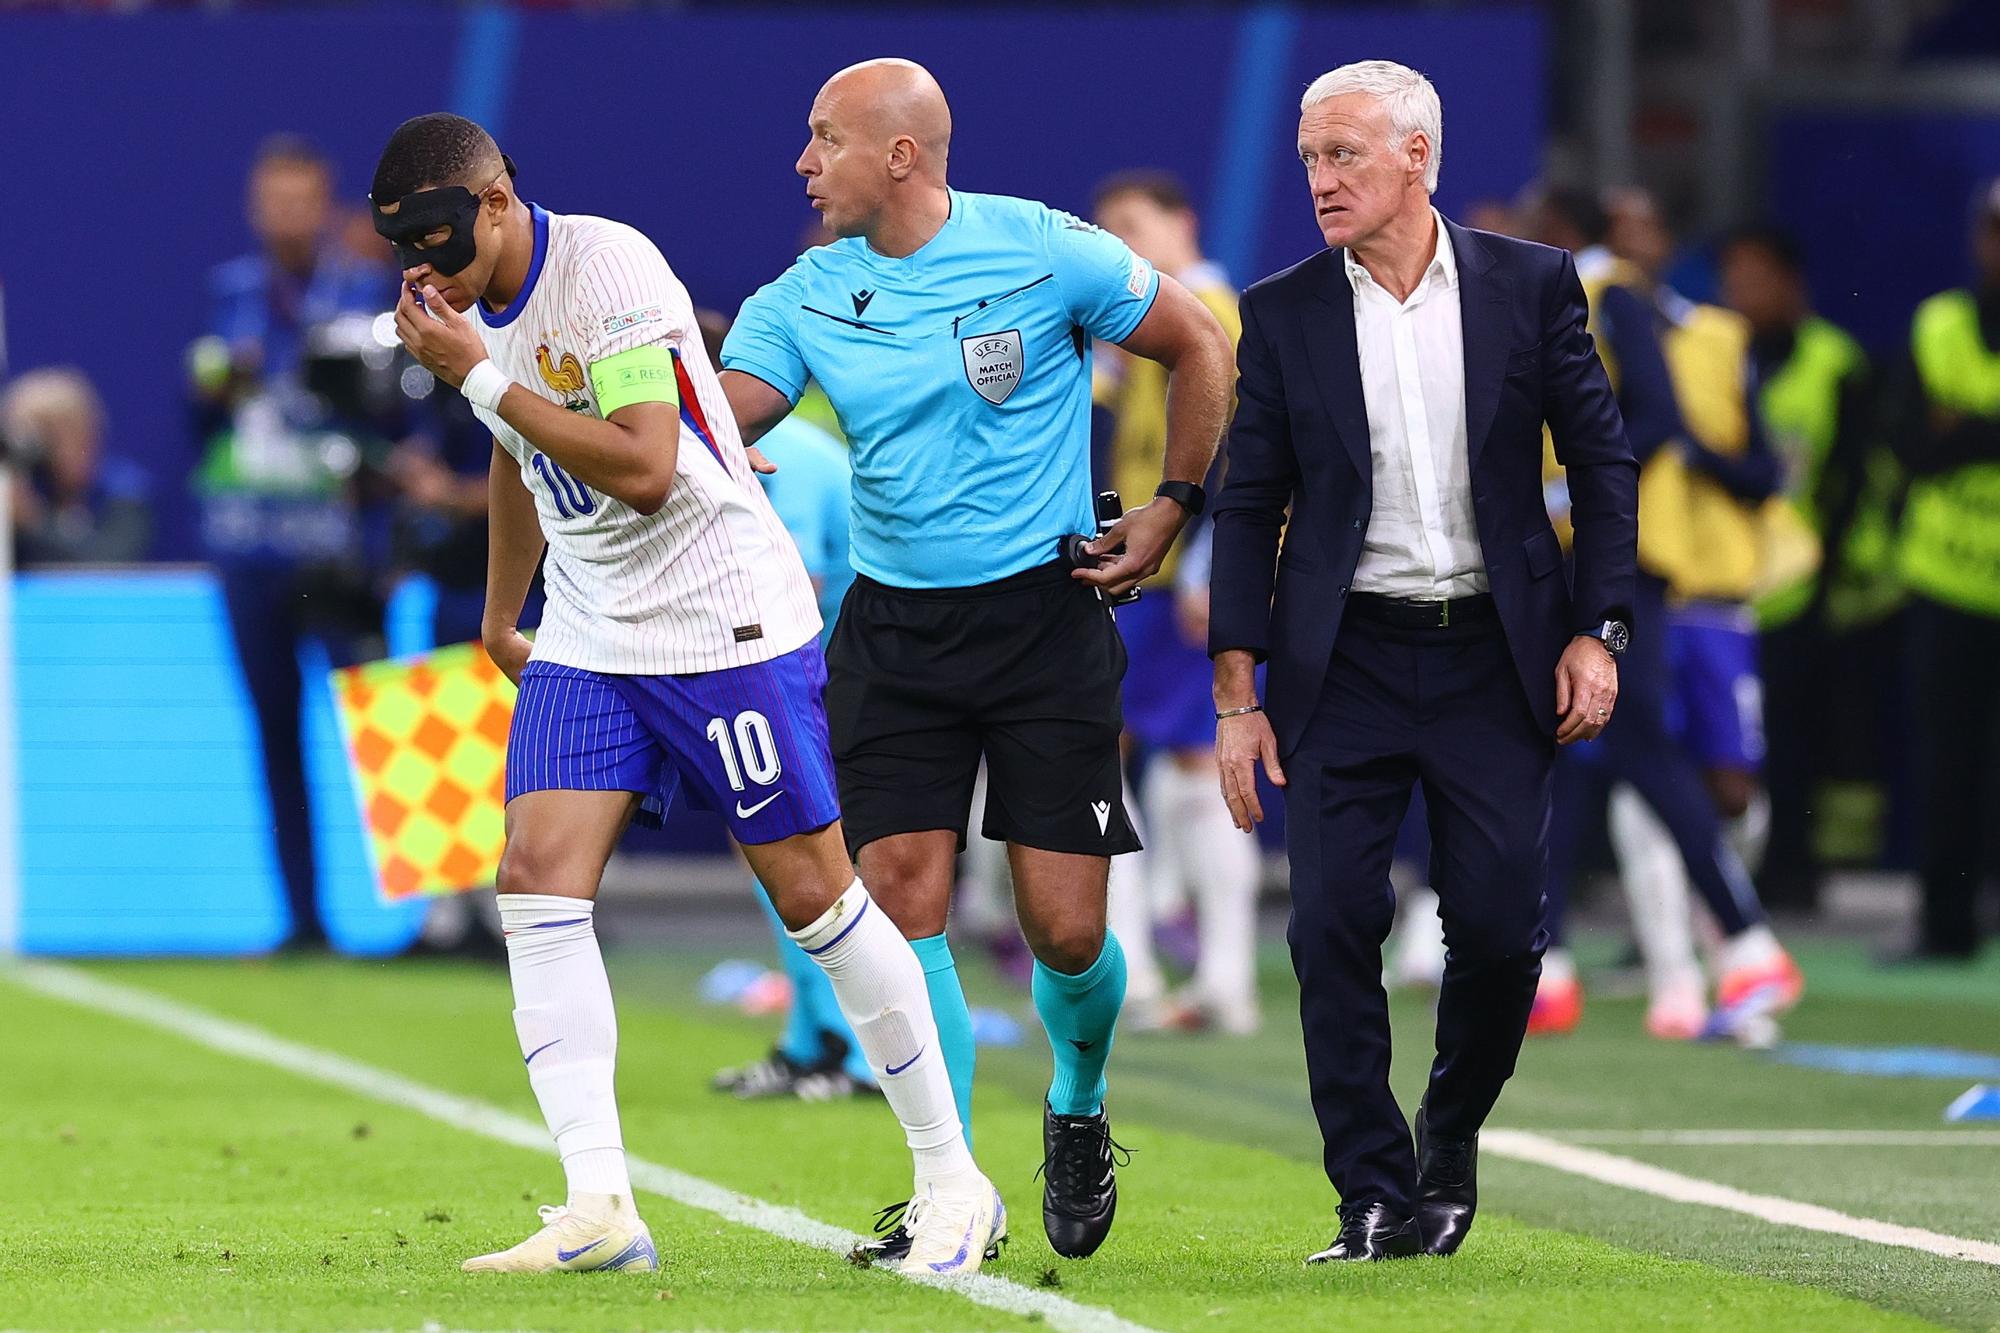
<point x="712" y="580"/>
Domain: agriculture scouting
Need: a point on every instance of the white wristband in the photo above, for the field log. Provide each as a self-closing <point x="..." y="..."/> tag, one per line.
<point x="485" y="385"/>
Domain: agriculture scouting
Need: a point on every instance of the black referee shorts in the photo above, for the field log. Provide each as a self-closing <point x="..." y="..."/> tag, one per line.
<point x="1026" y="670"/>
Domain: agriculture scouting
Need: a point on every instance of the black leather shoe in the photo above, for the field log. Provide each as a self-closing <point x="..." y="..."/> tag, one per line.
<point x="1447" y="1188"/>
<point x="1372" y="1231"/>
<point x="1080" y="1191"/>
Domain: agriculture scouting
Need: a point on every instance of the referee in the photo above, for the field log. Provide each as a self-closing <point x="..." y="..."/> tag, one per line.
<point x="952" y="333"/>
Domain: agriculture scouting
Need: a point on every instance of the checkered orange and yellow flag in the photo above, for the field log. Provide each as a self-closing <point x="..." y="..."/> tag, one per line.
<point x="427" y="737"/>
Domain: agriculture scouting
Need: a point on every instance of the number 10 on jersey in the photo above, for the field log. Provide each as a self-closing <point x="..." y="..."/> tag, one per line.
<point x="572" y="497"/>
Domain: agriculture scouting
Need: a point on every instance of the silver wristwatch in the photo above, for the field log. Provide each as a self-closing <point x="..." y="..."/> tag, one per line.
<point x="1616" y="636"/>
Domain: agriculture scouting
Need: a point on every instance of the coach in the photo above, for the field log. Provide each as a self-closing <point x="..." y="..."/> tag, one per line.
<point x="1418" y="622"/>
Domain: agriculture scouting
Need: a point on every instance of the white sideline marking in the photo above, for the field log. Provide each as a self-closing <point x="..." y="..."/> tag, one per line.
<point x="1783" y="1138"/>
<point x="1628" y="1174"/>
<point x="477" y="1117"/>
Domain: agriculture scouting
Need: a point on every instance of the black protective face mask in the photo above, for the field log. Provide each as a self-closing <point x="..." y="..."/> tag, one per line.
<point x="417" y="215"/>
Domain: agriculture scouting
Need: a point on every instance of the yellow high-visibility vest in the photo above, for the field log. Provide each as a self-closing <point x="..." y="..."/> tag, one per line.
<point x="1134" y="390"/>
<point x="1801" y="406"/>
<point x="1951" y="523"/>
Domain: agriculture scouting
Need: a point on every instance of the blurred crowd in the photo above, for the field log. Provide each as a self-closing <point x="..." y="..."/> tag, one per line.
<point x="1835" y="511"/>
<point x="1845" y="510"/>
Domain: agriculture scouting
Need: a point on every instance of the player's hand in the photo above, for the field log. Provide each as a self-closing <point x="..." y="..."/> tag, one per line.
<point x="509" y="649"/>
<point x="1146" y="533"/>
<point x="443" y="340"/>
<point x="1586" y="690"/>
<point x="759" y="463"/>
<point x="1240" y="742"/>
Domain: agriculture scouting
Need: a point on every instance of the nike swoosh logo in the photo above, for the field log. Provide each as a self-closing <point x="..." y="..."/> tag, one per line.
<point x="529" y="1058"/>
<point x="741" y="813"/>
<point x="564" y="1256"/>
<point x="897" y="1069"/>
<point x="957" y="1261"/>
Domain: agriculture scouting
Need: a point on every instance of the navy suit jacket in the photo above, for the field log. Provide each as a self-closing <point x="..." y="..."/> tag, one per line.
<point x="1299" y="443"/>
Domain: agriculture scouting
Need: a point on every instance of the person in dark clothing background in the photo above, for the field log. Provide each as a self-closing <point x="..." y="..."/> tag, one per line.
<point x="284" y="478"/>
<point x="440" y="475"/>
<point x="1828" y="634"/>
<point x="1950" y="560"/>
<point x="1642" y="749"/>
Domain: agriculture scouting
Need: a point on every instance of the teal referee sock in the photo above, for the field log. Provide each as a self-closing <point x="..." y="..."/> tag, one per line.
<point x="954" y="1022"/>
<point x="1080" y="1013"/>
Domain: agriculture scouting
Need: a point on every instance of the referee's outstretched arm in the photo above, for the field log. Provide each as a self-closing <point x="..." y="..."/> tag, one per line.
<point x="1180" y="334"/>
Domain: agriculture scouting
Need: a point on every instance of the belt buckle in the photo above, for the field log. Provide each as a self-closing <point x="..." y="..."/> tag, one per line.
<point x="1444" y="614"/>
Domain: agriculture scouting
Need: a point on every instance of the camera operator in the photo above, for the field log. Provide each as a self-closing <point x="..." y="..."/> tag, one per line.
<point x="71" y="504"/>
<point x="296" y="400"/>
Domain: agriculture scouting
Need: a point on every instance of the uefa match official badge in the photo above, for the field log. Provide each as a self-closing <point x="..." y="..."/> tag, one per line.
<point x="993" y="363"/>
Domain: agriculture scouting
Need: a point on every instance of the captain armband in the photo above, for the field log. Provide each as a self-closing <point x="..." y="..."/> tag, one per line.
<point x="638" y="375"/>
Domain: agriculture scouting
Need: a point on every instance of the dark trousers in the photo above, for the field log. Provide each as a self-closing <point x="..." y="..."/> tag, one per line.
<point x="1958" y="768"/>
<point x="1639" y="748"/>
<point x="1444" y="708"/>
<point x="1800" y="712"/>
<point x="271" y="607"/>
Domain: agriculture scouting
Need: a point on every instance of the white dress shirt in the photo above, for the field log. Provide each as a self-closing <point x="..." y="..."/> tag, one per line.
<point x="1422" y="541"/>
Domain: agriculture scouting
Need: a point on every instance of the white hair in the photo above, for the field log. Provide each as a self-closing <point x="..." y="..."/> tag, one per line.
<point x="1408" y="97"/>
<point x="44" y="398"/>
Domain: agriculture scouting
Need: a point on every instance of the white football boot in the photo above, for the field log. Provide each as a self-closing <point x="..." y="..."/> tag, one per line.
<point x="952" y="1233"/>
<point x="602" y="1239"/>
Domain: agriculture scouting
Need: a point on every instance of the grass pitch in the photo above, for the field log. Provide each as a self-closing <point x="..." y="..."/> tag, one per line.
<point x="155" y="1183"/>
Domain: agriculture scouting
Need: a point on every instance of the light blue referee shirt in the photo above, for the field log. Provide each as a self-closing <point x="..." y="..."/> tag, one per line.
<point x="961" y="376"/>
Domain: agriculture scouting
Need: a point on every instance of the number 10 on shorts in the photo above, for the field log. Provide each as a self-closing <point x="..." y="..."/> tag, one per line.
<point x="747" y="748"/>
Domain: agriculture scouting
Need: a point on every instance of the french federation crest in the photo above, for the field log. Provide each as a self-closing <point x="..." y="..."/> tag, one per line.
<point x="993" y="364"/>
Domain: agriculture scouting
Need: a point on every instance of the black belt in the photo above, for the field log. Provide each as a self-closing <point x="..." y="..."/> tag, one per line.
<point x="1406" y="614"/>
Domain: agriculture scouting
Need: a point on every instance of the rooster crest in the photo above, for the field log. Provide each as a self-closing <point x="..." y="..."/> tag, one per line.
<point x="565" y="376"/>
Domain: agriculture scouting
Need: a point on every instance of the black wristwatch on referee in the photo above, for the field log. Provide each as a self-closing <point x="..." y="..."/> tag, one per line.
<point x="1185" y="494"/>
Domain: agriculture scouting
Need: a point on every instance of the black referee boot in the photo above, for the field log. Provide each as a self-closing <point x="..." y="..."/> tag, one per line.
<point x="1080" y="1193"/>
<point x="1447" y="1187"/>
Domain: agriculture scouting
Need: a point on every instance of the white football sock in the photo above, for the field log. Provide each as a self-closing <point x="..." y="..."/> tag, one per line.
<point x="1221" y="867"/>
<point x="1131" y="918"/>
<point x="1655" y="879"/>
<point x="1167" y="885"/>
<point x="1416" y="945"/>
<point x="1755" y="947"/>
<point x="880" y="986"/>
<point x="1129" y="911"/>
<point x="569" y="1034"/>
<point x="1750" y="832"/>
<point x="982" y="903"/>
<point x="1164" y="863"/>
